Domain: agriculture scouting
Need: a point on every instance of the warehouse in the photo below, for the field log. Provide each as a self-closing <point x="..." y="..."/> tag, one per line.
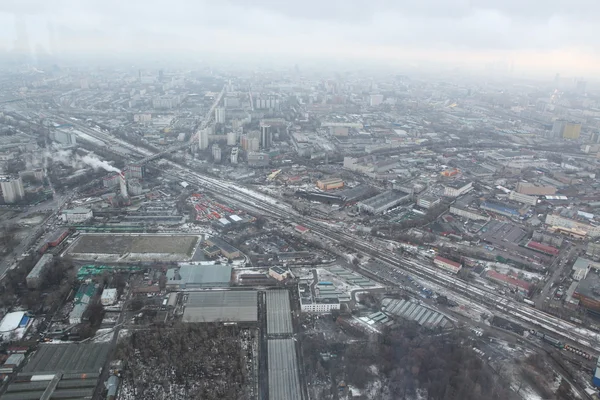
<point x="76" y="215"/>
<point x="221" y="306"/>
<point x="500" y="208"/>
<point x="279" y="316"/>
<point x="384" y="201"/>
<point x="189" y="276"/>
<point x="518" y="285"/>
<point x="468" y="214"/>
<point x="553" y="251"/>
<point x="330" y="184"/>
<point x="458" y="188"/>
<point x="284" y="382"/>
<point x="60" y="371"/>
<point x="108" y="297"/>
<point x="35" y="277"/>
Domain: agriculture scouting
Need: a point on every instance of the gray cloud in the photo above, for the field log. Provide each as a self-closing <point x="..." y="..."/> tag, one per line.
<point x="373" y="28"/>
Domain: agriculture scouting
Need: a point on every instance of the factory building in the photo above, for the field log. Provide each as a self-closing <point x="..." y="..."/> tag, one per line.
<point x="111" y="181"/>
<point x="384" y="201"/>
<point x="458" y="188"/>
<point x="330" y="184"/>
<point x="428" y="201"/>
<point x="225" y="248"/>
<point x="12" y="189"/>
<point x="500" y="208"/>
<point x="447" y="265"/>
<point x="256" y="159"/>
<point x="134" y="171"/>
<point x="134" y="187"/>
<point x="535" y="189"/>
<point x="189" y="276"/>
<point x="35" y="277"/>
<point x="75" y="215"/>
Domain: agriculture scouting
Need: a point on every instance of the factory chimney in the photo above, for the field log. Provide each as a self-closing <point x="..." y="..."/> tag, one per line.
<point x="123" y="184"/>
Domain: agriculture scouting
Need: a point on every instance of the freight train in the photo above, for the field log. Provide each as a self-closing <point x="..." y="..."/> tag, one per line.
<point x="549" y="339"/>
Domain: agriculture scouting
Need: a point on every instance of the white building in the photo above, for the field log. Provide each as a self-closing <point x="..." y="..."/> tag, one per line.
<point x="108" y="297"/>
<point x="12" y="190"/>
<point x="280" y="273"/>
<point x="522" y="198"/>
<point x="220" y="115"/>
<point x="319" y="305"/>
<point x="134" y="187"/>
<point x="428" y="201"/>
<point x="375" y="100"/>
<point x="216" y="152"/>
<point x="203" y="135"/>
<point x="461" y="212"/>
<point x="234" y="155"/>
<point x="75" y="215"/>
<point x="456" y="189"/>
<point x="231" y="138"/>
<point x="570" y="224"/>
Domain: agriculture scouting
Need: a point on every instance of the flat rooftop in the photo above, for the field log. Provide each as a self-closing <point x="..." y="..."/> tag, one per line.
<point x="590" y="286"/>
<point x="279" y="318"/>
<point x="204" y="275"/>
<point x="284" y="380"/>
<point x="225" y="305"/>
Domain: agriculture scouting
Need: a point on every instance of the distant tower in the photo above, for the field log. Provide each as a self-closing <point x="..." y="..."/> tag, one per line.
<point x="234" y="155"/>
<point x="266" y="136"/>
<point x="203" y="138"/>
<point x="216" y="152"/>
<point x="161" y="75"/>
<point x="123" y="185"/>
<point x="231" y="138"/>
<point x="220" y="115"/>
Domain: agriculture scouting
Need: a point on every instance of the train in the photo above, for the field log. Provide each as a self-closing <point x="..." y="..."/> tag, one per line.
<point x="527" y="301"/>
<point x="549" y="339"/>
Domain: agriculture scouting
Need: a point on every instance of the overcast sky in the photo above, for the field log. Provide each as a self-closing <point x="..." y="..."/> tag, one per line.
<point x="546" y="35"/>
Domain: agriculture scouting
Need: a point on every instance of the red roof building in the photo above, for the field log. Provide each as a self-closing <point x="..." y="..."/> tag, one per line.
<point x="543" y="248"/>
<point x="512" y="282"/>
<point x="446" y="264"/>
<point x="301" y="229"/>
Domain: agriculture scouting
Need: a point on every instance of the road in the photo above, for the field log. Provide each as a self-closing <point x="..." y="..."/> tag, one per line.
<point x="557" y="267"/>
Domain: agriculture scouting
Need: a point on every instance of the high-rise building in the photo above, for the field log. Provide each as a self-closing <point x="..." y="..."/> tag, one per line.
<point x="203" y="138"/>
<point x="253" y="144"/>
<point x="12" y="189"/>
<point x="231" y="138"/>
<point x="558" y="127"/>
<point x="244" y="142"/>
<point x="234" y="155"/>
<point x="220" y="115"/>
<point x="375" y="100"/>
<point x="266" y="136"/>
<point x="572" y="130"/>
<point x="216" y="152"/>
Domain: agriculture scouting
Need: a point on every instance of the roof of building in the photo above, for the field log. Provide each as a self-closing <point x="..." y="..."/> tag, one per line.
<point x="223" y="245"/>
<point x="57" y="234"/>
<point x="200" y="274"/>
<point x="39" y="267"/>
<point x="508" y="279"/>
<point x="77" y="210"/>
<point x="11" y="321"/>
<point x="446" y="261"/>
<point x="279" y="270"/>
<point x="457" y="184"/>
<point x="212" y="306"/>
<point x="279" y="319"/>
<point x="589" y="287"/>
<point x="301" y="228"/>
<point x="582" y="263"/>
<point x="543" y="247"/>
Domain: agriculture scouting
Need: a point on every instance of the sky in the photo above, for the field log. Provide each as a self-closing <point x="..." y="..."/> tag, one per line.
<point x="541" y="36"/>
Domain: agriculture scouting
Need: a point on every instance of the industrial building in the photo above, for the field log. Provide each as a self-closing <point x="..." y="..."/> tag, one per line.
<point x="279" y="315"/>
<point x="221" y="306"/>
<point x="134" y="171"/>
<point x="384" y="201"/>
<point x="111" y="181"/>
<point x="330" y="184"/>
<point x="76" y="215"/>
<point x="324" y="300"/>
<point x="522" y="198"/>
<point x="411" y="311"/>
<point x="12" y="189"/>
<point x="581" y="268"/>
<point x="190" y="276"/>
<point x="458" y="188"/>
<point x="60" y="371"/>
<point x="447" y="265"/>
<point x="553" y="251"/>
<point x="134" y="187"/>
<point x="35" y="277"/>
<point x="14" y="325"/>
<point x="428" y="201"/>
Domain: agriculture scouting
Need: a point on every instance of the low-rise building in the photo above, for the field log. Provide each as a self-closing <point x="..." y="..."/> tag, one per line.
<point x="108" y="297"/>
<point x="457" y="188"/>
<point x="522" y="198"/>
<point x="447" y="265"/>
<point x="280" y="274"/>
<point x="513" y="283"/>
<point x="428" y="201"/>
<point x="468" y="214"/>
<point x="35" y="277"/>
<point x="384" y="201"/>
<point x="566" y="225"/>
<point x="256" y="159"/>
<point x="226" y="249"/>
<point x="581" y="267"/>
<point x="535" y="189"/>
<point x="500" y="208"/>
<point x="330" y="184"/>
<point x="78" y="214"/>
